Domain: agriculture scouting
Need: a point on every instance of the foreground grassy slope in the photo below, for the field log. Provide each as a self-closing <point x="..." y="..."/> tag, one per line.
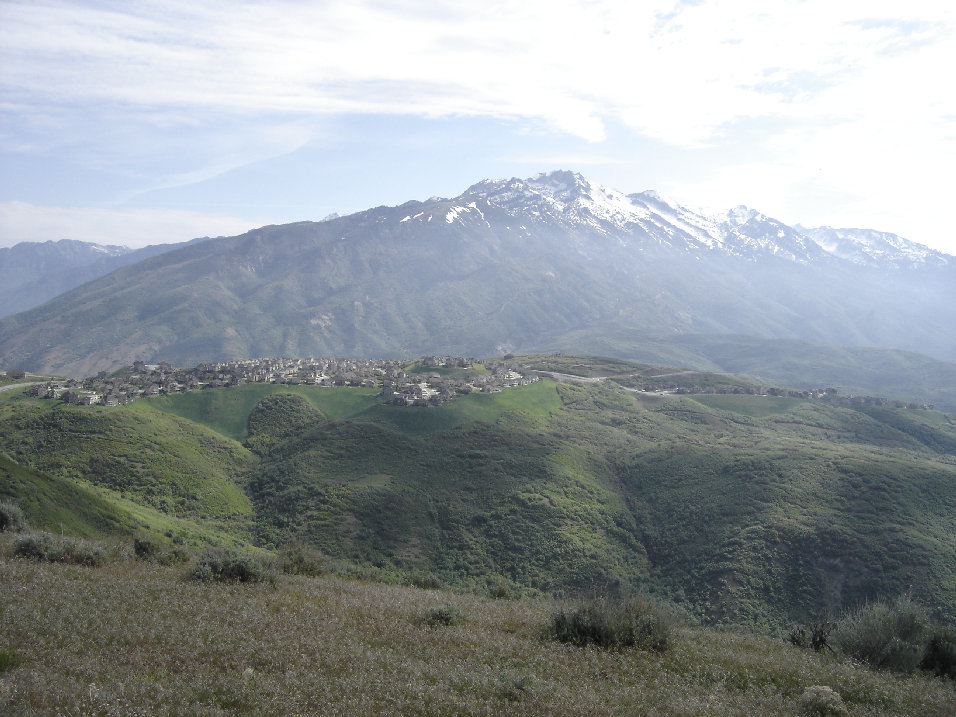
<point x="136" y="638"/>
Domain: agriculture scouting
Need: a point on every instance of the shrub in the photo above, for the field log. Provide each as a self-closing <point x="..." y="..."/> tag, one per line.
<point x="425" y="581"/>
<point x="823" y="701"/>
<point x="54" y="549"/>
<point x="500" y="589"/>
<point x="144" y="548"/>
<point x="8" y="660"/>
<point x="886" y="635"/>
<point x="816" y="635"/>
<point x="147" y="549"/>
<point x="635" y="622"/>
<point x="302" y="559"/>
<point x="11" y="517"/>
<point x="231" y="566"/>
<point x="447" y="614"/>
<point x="940" y="656"/>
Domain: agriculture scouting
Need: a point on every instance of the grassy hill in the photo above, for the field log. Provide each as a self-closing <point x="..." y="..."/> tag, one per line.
<point x="136" y="470"/>
<point x="133" y="637"/>
<point x="744" y="509"/>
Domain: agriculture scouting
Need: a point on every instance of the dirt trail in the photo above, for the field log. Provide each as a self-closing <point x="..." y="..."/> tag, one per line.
<point x="19" y="385"/>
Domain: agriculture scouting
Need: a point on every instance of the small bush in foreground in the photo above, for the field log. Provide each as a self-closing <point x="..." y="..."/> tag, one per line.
<point x="821" y="701"/>
<point x="148" y="549"/>
<point x="940" y="656"/>
<point x="11" y="517"/>
<point x="55" y="549"/>
<point x="886" y="635"/>
<point x="447" y="614"/>
<point x="231" y="566"/>
<point x="815" y="636"/>
<point x="8" y="660"/>
<point x="302" y="559"/>
<point x="637" y="622"/>
<point x="425" y="581"/>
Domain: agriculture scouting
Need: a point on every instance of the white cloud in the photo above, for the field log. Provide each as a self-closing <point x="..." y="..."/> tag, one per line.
<point x="20" y="221"/>
<point x="673" y="71"/>
<point x="852" y="96"/>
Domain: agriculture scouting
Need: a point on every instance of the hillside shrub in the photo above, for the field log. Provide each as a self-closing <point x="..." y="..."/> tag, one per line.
<point x="425" y="581"/>
<point x="447" y="615"/>
<point x="299" y="558"/>
<point x="151" y="550"/>
<point x="8" y="660"/>
<point x="636" y="622"/>
<point x="231" y="566"/>
<point x="821" y="701"/>
<point x="501" y="589"/>
<point x="11" y="517"/>
<point x="886" y="635"/>
<point x="940" y="655"/>
<point x="57" y="549"/>
<point x="815" y="636"/>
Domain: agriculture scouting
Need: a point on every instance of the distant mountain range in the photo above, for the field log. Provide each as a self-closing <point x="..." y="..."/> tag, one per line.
<point x="35" y="272"/>
<point x="510" y="265"/>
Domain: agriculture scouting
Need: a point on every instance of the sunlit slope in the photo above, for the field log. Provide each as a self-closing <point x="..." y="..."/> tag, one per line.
<point x="744" y="508"/>
<point x="59" y="505"/>
<point x="174" y="466"/>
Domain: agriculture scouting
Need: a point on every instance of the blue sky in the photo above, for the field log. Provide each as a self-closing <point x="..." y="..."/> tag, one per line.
<point x="159" y="121"/>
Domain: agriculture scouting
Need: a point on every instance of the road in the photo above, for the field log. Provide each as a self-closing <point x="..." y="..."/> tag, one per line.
<point x="19" y="385"/>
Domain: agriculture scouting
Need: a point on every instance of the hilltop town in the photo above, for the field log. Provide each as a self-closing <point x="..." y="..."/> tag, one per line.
<point x="427" y="382"/>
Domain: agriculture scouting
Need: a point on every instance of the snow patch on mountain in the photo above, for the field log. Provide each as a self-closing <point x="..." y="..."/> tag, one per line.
<point x="645" y="218"/>
<point x="869" y="247"/>
<point x="564" y="197"/>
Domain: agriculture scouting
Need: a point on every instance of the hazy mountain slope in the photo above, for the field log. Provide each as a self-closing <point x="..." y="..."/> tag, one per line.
<point x="506" y="266"/>
<point x="887" y="373"/>
<point x="35" y="272"/>
<point x="874" y="248"/>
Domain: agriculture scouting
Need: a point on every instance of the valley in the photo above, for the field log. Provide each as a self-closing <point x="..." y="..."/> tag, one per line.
<point x="736" y="429"/>
<point x="743" y="508"/>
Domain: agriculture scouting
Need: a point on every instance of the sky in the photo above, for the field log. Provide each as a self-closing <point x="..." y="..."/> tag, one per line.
<point x="159" y="121"/>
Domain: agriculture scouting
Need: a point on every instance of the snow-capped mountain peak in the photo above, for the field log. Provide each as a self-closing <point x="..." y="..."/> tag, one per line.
<point x="868" y="247"/>
<point x="650" y="218"/>
<point x="563" y="196"/>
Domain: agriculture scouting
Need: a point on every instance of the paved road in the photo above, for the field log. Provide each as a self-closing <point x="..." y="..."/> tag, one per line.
<point x="570" y="377"/>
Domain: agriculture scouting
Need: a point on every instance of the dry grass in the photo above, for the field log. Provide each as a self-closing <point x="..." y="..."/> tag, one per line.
<point x="136" y="638"/>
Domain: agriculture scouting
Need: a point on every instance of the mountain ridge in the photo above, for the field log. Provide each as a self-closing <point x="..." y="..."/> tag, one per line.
<point x="507" y="265"/>
<point x="35" y="272"/>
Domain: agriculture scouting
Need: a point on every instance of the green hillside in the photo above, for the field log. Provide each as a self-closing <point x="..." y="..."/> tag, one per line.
<point x="745" y="509"/>
<point x="158" y="461"/>
<point x="59" y="505"/>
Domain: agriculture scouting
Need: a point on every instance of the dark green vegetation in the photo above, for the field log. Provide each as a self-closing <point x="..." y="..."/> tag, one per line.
<point x="636" y="622"/>
<point x="134" y="637"/>
<point x="743" y="509"/>
<point x="893" y="636"/>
